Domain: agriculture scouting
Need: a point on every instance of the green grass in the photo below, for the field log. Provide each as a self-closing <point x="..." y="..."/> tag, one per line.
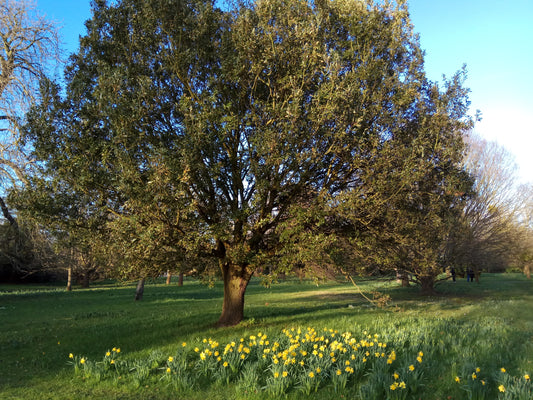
<point x="468" y="325"/>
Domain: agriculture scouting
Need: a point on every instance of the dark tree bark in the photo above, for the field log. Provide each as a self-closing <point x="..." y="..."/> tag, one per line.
<point x="427" y="284"/>
<point x="7" y="215"/>
<point x="86" y="280"/>
<point x="180" y="279"/>
<point x="236" y="279"/>
<point x="139" y="291"/>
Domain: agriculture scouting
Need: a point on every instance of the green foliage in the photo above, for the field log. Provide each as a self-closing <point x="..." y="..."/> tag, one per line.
<point x="255" y="135"/>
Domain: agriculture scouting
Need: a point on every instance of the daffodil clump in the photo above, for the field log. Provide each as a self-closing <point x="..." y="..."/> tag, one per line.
<point x="299" y="360"/>
<point x="481" y="385"/>
<point x="304" y="361"/>
<point x="97" y="370"/>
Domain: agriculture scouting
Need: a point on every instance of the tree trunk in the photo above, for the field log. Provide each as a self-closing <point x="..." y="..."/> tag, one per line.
<point x="86" y="279"/>
<point x="527" y="271"/>
<point x="427" y="284"/>
<point x="140" y="290"/>
<point x="169" y="276"/>
<point x="69" y="279"/>
<point x="180" y="279"/>
<point x="402" y="277"/>
<point x="7" y="215"/>
<point x="236" y="280"/>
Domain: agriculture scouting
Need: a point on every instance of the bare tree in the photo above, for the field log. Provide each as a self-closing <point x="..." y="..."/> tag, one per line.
<point x="491" y="221"/>
<point x="29" y="49"/>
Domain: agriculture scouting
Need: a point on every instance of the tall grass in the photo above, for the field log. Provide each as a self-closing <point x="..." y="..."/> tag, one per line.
<point x="466" y="334"/>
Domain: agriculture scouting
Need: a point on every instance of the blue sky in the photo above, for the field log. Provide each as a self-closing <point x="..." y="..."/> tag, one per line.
<point x="494" y="38"/>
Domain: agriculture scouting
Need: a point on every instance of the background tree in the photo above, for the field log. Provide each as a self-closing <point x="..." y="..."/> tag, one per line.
<point x="28" y="50"/>
<point x="420" y="187"/>
<point x="488" y="234"/>
<point x="250" y="137"/>
<point x="524" y="223"/>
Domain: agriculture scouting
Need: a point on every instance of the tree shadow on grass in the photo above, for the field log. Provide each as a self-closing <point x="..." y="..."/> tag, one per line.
<point x="90" y="322"/>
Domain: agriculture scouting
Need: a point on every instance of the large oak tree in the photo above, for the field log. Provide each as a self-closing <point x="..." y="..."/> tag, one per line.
<point x="253" y="135"/>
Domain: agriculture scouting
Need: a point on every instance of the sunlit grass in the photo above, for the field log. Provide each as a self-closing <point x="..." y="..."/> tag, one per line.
<point x="469" y="326"/>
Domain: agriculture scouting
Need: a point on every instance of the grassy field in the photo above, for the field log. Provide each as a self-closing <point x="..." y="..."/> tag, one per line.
<point x="456" y="342"/>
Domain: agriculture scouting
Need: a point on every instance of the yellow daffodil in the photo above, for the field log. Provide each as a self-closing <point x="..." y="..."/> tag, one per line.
<point x="474" y="376"/>
<point x="478" y="369"/>
<point x="107" y="354"/>
<point x="526" y="377"/>
<point x="395" y="375"/>
<point x="183" y="344"/>
<point x="225" y="364"/>
<point x="402" y="385"/>
<point x="393" y="386"/>
<point x="457" y="379"/>
<point x="71" y="355"/>
<point x="339" y="372"/>
<point x="82" y="361"/>
<point x="501" y="388"/>
<point x="284" y="374"/>
<point x="170" y="359"/>
<point x="276" y="375"/>
<point x="503" y="370"/>
<point x="411" y="367"/>
<point x="311" y="374"/>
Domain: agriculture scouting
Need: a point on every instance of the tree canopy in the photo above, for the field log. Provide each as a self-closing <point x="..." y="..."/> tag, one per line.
<point x="273" y="134"/>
